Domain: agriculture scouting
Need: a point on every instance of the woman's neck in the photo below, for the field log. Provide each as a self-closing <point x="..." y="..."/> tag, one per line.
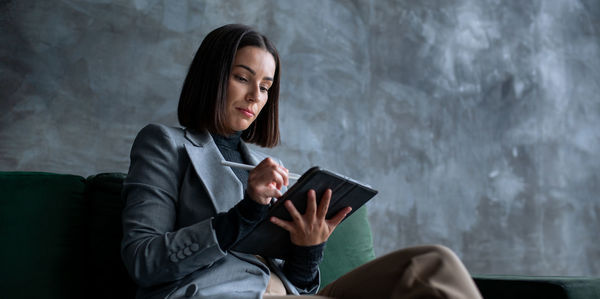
<point x="231" y="141"/>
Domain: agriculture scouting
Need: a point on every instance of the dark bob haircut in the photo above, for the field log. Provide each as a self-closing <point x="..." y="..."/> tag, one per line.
<point x="203" y="96"/>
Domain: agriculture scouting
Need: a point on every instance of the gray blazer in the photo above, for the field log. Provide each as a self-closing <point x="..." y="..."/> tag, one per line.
<point x="174" y="188"/>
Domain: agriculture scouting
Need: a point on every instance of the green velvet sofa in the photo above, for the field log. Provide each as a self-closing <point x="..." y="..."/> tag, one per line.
<point x="60" y="237"/>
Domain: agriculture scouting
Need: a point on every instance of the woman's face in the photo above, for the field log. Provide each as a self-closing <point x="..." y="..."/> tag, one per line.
<point x="247" y="91"/>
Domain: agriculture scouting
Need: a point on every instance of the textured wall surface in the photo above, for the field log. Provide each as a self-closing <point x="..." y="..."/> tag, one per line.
<point x="476" y="119"/>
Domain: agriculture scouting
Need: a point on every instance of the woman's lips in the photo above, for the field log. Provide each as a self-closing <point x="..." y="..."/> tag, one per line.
<point x="246" y="112"/>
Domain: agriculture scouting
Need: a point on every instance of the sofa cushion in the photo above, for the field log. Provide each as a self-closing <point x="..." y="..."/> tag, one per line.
<point x="110" y="276"/>
<point x="350" y="246"/>
<point x="548" y="287"/>
<point x="42" y="225"/>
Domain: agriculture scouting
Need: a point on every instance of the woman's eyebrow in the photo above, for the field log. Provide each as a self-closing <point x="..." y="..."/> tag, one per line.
<point x="252" y="71"/>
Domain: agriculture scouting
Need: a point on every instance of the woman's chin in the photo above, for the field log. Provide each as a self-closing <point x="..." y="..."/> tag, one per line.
<point x="240" y="127"/>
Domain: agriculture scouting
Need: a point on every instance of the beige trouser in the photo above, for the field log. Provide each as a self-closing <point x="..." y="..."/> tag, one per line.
<point x="417" y="272"/>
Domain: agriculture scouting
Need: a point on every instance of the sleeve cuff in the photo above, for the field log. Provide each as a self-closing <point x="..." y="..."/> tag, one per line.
<point x="302" y="265"/>
<point x="250" y="210"/>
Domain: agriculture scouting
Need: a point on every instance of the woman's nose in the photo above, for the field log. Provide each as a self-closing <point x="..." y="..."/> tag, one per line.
<point x="253" y="93"/>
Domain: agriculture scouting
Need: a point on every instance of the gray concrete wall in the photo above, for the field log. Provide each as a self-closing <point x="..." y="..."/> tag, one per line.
<point x="476" y="119"/>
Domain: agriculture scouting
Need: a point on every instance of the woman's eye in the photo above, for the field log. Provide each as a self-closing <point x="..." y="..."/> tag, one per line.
<point x="264" y="88"/>
<point x="240" y="78"/>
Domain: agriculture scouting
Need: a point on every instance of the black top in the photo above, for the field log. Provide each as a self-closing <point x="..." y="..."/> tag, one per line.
<point x="230" y="149"/>
<point x="302" y="265"/>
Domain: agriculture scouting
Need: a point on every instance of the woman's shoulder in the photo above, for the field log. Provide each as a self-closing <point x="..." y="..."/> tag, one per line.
<point x="159" y="136"/>
<point x="155" y="132"/>
<point x="158" y="130"/>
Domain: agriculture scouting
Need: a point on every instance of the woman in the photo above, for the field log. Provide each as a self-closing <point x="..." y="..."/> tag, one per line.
<point x="184" y="210"/>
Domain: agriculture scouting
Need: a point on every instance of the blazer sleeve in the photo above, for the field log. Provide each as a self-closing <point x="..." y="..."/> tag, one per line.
<point x="153" y="250"/>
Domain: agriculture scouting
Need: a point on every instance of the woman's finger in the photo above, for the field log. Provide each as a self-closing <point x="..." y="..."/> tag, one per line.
<point x="293" y="211"/>
<point x="267" y="172"/>
<point x="285" y="173"/>
<point x="278" y="171"/>
<point x="274" y="172"/>
<point x="273" y="192"/>
<point x="277" y="177"/>
<point x="324" y="204"/>
<point x="311" y="203"/>
<point x="333" y="222"/>
<point x="287" y="225"/>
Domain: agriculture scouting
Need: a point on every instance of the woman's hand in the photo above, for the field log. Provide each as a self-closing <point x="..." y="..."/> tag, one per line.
<point x="265" y="181"/>
<point x="311" y="228"/>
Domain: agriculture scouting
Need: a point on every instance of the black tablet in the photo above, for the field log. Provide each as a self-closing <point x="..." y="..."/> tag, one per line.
<point x="269" y="240"/>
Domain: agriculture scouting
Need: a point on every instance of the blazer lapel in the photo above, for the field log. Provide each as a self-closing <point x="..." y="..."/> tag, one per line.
<point x="223" y="187"/>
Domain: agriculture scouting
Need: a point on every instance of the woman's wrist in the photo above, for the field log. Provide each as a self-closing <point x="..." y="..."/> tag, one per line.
<point x="302" y="265"/>
<point x="250" y="209"/>
<point x="311" y="253"/>
<point x="237" y="222"/>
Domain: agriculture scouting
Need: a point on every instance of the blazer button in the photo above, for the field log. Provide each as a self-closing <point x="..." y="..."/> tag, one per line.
<point x="180" y="255"/>
<point x="191" y="290"/>
<point x="195" y="247"/>
<point x="173" y="258"/>
<point x="187" y="251"/>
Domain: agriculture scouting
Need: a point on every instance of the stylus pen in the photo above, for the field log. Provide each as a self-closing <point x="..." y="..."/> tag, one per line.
<point x="292" y="176"/>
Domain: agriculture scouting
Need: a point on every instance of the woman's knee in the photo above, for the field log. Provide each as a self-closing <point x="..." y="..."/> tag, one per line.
<point x="426" y="254"/>
<point x="442" y="253"/>
<point x="441" y="250"/>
